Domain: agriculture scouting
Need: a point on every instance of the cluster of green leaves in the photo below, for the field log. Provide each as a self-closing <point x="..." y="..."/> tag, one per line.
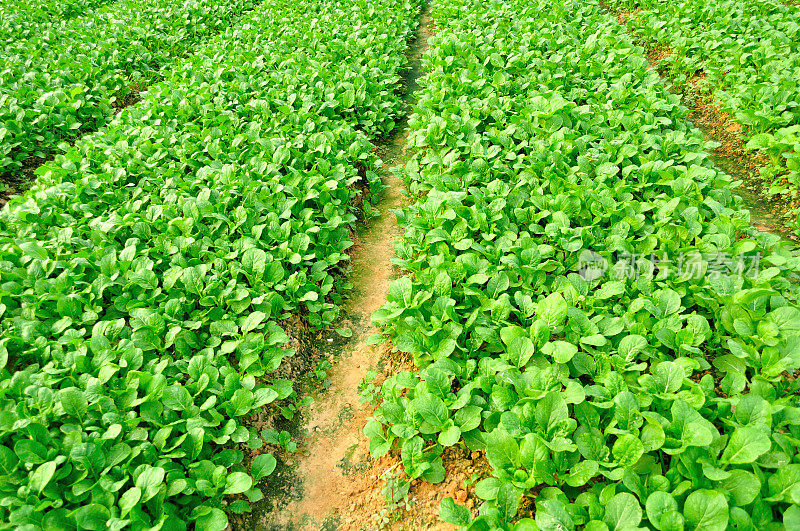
<point x="615" y="400"/>
<point x="20" y="18"/>
<point x="144" y="277"/>
<point x="750" y="53"/>
<point x="63" y="80"/>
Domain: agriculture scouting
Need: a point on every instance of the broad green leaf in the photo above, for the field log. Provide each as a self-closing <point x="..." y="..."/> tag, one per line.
<point x="668" y="376"/>
<point x="631" y="345"/>
<point x="743" y="487"/>
<point x="551" y="516"/>
<point x="150" y="481"/>
<point x="251" y="321"/>
<point x="432" y="409"/>
<point x="129" y="500"/>
<point x="453" y="513"/>
<point x="561" y="351"/>
<point x="237" y="482"/>
<point x="42" y="476"/>
<point x="213" y="520"/>
<point x="746" y="445"/>
<point x="400" y="291"/>
<point x="262" y="466"/>
<point x="582" y="472"/>
<point x="553" y="309"/>
<point x="73" y="401"/>
<point x="507" y="501"/>
<point x="706" y="510"/>
<point x="450" y="436"/>
<point x="627" y="450"/>
<point x="623" y="512"/>
<point x="661" y="507"/>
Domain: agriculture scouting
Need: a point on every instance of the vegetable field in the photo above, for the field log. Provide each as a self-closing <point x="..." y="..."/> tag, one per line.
<point x="574" y="322"/>
<point x="746" y="55"/>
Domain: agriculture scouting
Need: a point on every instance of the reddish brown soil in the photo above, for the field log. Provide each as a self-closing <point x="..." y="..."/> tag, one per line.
<point x="623" y="15"/>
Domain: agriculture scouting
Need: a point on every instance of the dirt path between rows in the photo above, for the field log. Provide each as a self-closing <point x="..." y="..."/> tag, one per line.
<point x="335" y="485"/>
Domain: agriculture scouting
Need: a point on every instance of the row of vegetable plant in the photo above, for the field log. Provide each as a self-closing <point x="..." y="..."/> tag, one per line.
<point x="749" y="55"/>
<point x="146" y="275"/>
<point x="584" y="299"/>
<point x="68" y="78"/>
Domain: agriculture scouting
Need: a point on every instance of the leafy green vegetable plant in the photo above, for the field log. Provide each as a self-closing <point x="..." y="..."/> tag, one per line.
<point x="584" y="299"/>
<point x="145" y="278"/>
<point x="21" y="19"/>
<point x="749" y="55"/>
<point x="69" y="77"/>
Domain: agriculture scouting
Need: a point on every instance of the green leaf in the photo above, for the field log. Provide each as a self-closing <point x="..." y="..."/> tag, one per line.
<point x="520" y="350"/>
<point x="486" y="489"/>
<point x="627" y="450"/>
<point x="508" y="501"/>
<point x="668" y="376"/>
<point x="73" y="401"/>
<point x="150" y="481"/>
<point x="34" y="250"/>
<point x="502" y="449"/>
<point x="652" y="436"/>
<point x="450" y="436"/>
<point x="742" y="486"/>
<point x="344" y="332"/>
<point x="432" y="409"/>
<point x="525" y="524"/>
<point x="262" y="466"/>
<point x="784" y="485"/>
<point x="453" y="513"/>
<point x="553" y="309"/>
<point x="177" y="397"/>
<point x="379" y="444"/>
<point x="241" y="403"/>
<point x="42" y="476"/>
<point x="661" y="508"/>
<point x="254" y="262"/>
<point x="252" y="321"/>
<point x="213" y="520"/>
<point x="791" y="518"/>
<point x="237" y="482"/>
<point x="468" y="418"/>
<point x="561" y="351"/>
<point x="746" y="445"/>
<point x="400" y="291"/>
<point x="610" y="289"/>
<point x="551" y="516"/>
<point x="631" y="345"/>
<point x="582" y="472"/>
<point x="281" y="155"/>
<point x="92" y="516"/>
<point x="706" y="510"/>
<point x="623" y="512"/>
<point x="129" y="500"/>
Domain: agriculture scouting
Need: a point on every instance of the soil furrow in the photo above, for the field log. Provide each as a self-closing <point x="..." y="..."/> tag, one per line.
<point x="333" y="482"/>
